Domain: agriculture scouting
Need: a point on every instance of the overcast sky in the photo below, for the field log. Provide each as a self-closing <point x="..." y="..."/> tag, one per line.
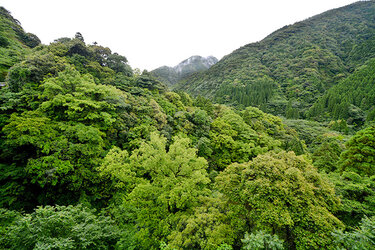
<point x="152" y="33"/>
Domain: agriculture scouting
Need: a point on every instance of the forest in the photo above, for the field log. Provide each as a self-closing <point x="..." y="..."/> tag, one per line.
<point x="97" y="155"/>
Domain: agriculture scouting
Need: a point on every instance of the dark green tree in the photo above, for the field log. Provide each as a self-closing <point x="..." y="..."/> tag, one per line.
<point x="357" y="194"/>
<point x="119" y="64"/>
<point x="79" y="36"/>
<point x="362" y="237"/>
<point x="327" y="155"/>
<point x="360" y="154"/>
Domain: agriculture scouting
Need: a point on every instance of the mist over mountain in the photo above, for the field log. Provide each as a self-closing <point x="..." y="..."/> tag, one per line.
<point x="194" y="64"/>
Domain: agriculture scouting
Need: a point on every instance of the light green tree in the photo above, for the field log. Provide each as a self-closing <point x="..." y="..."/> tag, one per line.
<point x="63" y="138"/>
<point x="262" y="240"/>
<point x="283" y="194"/>
<point x="210" y="226"/>
<point x="234" y="139"/>
<point x="61" y="227"/>
<point x="159" y="185"/>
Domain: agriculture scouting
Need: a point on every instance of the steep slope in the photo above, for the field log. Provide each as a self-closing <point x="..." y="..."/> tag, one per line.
<point x="351" y="99"/>
<point x="14" y="42"/>
<point x="294" y="65"/>
<point x="171" y="75"/>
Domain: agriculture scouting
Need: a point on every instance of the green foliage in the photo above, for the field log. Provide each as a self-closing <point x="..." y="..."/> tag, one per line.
<point x="262" y="240"/>
<point x="66" y="133"/>
<point x="339" y="125"/>
<point x="235" y="138"/>
<point x="210" y="226"/>
<point x="146" y="80"/>
<point x="290" y="112"/>
<point x="12" y="189"/>
<point x="284" y="194"/>
<point x="360" y="154"/>
<point x="350" y="98"/>
<point x="75" y="97"/>
<point x="7" y="217"/>
<point x="59" y="137"/>
<point x="12" y="46"/>
<point x="313" y="133"/>
<point x="34" y="69"/>
<point x="61" y="227"/>
<point x="204" y="104"/>
<point x="119" y="64"/>
<point x="225" y="247"/>
<point x="167" y="75"/>
<point x="357" y="194"/>
<point x="268" y="124"/>
<point x="54" y="149"/>
<point x="327" y="155"/>
<point x="247" y="94"/>
<point x="361" y="238"/>
<point x="159" y="185"/>
<point x="79" y="36"/>
<point x="30" y="40"/>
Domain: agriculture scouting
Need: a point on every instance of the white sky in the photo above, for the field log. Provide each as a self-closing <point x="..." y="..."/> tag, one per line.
<point x="153" y="33"/>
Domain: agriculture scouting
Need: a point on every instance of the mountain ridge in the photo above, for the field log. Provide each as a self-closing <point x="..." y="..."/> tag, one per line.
<point x="296" y="63"/>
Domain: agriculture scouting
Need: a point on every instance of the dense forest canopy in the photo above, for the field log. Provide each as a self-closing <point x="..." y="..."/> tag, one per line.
<point x="97" y="155"/>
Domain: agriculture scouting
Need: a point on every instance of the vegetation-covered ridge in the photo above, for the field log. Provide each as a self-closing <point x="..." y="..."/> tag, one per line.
<point x="96" y="155"/>
<point x="293" y="66"/>
<point x="14" y="42"/>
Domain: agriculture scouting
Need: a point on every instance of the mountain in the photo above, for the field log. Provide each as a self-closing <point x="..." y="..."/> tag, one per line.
<point x="14" y="42"/>
<point x="294" y="65"/>
<point x="171" y="75"/>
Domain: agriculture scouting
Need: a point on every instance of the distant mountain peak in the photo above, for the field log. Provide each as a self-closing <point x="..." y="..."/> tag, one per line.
<point x="193" y="64"/>
<point x="189" y="65"/>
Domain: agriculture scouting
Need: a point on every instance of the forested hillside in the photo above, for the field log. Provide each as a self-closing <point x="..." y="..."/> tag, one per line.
<point x="96" y="155"/>
<point x="352" y="99"/>
<point x="14" y="42"/>
<point x="294" y="65"/>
